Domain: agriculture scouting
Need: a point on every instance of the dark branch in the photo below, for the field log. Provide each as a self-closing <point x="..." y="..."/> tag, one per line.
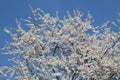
<point x="110" y="47"/>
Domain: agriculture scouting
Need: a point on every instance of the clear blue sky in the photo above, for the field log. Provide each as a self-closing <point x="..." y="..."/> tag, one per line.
<point x="102" y="10"/>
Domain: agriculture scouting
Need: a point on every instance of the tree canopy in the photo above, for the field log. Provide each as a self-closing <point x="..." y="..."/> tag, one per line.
<point x="71" y="48"/>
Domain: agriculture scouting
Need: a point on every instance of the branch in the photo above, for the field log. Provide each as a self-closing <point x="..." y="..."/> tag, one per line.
<point x="110" y="47"/>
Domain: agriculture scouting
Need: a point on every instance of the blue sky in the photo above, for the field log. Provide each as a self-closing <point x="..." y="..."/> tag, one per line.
<point x="102" y="10"/>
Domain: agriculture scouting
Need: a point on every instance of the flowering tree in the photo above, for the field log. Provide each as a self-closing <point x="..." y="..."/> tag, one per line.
<point x="62" y="49"/>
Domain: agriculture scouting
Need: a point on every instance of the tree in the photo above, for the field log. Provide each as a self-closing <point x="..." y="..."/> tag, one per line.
<point x="70" y="48"/>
